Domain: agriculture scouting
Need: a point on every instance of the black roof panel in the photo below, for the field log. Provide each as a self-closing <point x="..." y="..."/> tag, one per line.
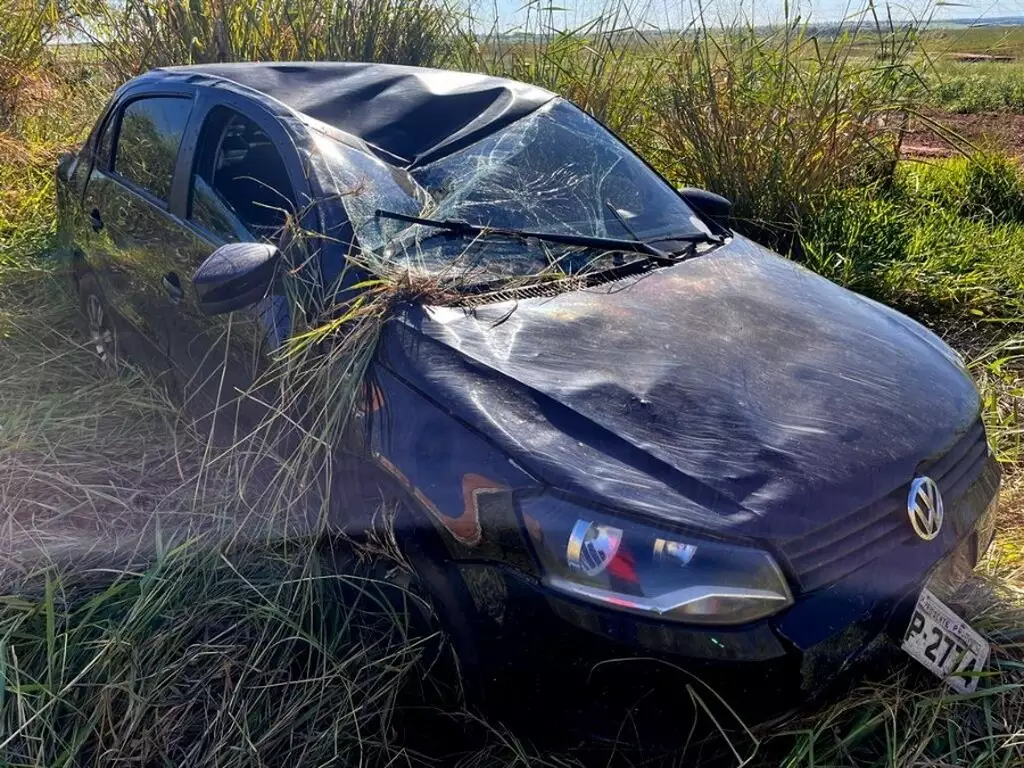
<point x="412" y="112"/>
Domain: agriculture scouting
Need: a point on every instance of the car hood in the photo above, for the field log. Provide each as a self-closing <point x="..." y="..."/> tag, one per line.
<point x="735" y="392"/>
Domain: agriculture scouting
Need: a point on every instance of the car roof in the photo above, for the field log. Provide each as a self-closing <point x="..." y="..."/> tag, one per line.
<point x="412" y="113"/>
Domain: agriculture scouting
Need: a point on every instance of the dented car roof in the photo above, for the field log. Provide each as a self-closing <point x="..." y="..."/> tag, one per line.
<point x="417" y="114"/>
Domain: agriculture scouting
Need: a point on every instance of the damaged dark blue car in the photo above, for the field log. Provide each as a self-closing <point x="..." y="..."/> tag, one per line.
<point x="635" y="435"/>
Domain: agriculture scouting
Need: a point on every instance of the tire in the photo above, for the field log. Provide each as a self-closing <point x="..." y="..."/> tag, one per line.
<point x="100" y="328"/>
<point x="429" y="576"/>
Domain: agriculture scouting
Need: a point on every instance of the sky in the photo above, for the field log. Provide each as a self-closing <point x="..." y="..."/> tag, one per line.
<point x="678" y="13"/>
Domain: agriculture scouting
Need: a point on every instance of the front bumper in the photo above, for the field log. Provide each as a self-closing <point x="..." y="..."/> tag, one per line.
<point x="597" y="665"/>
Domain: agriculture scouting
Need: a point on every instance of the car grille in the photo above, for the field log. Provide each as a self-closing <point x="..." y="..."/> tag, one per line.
<point x="830" y="552"/>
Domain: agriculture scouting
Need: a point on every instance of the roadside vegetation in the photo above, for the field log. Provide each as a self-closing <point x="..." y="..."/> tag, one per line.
<point x="976" y="70"/>
<point x="196" y="648"/>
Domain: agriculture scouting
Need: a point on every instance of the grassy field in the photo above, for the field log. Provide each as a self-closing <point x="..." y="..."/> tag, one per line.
<point x="203" y="649"/>
<point x="976" y="69"/>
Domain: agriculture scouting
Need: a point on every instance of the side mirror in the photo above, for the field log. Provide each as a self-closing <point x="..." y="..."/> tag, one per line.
<point x="235" y="276"/>
<point x="713" y="206"/>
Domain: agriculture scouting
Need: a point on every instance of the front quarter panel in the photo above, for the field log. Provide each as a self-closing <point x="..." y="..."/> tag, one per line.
<point x="462" y="484"/>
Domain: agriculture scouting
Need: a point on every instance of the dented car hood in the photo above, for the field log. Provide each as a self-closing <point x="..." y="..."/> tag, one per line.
<point x="735" y="392"/>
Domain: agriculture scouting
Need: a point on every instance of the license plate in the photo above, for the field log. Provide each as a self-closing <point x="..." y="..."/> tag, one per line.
<point x="945" y="643"/>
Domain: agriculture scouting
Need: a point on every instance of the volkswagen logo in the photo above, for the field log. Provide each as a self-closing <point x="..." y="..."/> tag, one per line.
<point x="924" y="506"/>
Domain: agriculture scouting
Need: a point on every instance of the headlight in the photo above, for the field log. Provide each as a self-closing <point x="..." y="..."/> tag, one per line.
<point x="638" y="568"/>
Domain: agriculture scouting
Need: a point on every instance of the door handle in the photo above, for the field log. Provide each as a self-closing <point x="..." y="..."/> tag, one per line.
<point x="172" y="285"/>
<point x="95" y="220"/>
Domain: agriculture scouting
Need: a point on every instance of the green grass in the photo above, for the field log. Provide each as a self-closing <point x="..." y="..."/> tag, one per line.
<point x="967" y="88"/>
<point x="943" y="239"/>
<point x="246" y="657"/>
<point x="57" y="107"/>
<point x="1005" y="41"/>
<point x="251" y="637"/>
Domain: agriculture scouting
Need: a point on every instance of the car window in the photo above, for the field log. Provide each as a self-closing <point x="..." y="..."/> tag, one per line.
<point x="106" y="143"/>
<point x="147" y="144"/>
<point x="240" y="188"/>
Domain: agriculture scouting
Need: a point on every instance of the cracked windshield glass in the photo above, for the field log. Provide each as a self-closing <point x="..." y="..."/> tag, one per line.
<point x="554" y="171"/>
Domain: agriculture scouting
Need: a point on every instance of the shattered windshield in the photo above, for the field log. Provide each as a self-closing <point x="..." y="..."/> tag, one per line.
<point x="553" y="171"/>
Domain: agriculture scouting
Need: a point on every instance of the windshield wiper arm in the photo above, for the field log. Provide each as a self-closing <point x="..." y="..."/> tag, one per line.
<point x="464" y="228"/>
<point x="621" y="219"/>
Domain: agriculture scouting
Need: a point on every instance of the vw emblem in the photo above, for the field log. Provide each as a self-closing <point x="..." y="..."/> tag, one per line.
<point x="924" y="506"/>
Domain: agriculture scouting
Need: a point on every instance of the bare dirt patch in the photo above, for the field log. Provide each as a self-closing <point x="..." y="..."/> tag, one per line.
<point x="981" y="57"/>
<point x="944" y="134"/>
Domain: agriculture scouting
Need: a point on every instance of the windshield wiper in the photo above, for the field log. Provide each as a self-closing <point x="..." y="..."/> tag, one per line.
<point x="622" y="220"/>
<point x="465" y="229"/>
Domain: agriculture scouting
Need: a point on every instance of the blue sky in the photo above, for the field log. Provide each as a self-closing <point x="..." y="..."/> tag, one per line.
<point x="677" y="13"/>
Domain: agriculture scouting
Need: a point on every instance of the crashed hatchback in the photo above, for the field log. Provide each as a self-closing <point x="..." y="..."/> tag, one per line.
<point x="628" y="433"/>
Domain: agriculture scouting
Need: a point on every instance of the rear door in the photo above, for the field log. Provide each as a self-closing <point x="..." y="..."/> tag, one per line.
<point x="133" y="232"/>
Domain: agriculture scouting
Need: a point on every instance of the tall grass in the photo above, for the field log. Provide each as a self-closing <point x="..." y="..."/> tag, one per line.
<point x="202" y="659"/>
<point x="965" y="86"/>
<point x="148" y="615"/>
<point x="140" y="34"/>
<point x="976" y="87"/>
<point x="941" y="240"/>
<point x="777" y="121"/>
<point x="25" y="27"/>
<point x="56" y="107"/>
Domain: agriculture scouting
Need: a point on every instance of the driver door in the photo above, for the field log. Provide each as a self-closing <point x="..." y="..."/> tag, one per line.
<point x="239" y="190"/>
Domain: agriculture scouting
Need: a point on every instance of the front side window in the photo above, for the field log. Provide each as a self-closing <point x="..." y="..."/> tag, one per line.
<point x="554" y="171"/>
<point x="240" y="187"/>
<point x="148" y="141"/>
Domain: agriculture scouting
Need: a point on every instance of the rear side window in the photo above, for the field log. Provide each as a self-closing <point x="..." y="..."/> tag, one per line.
<point x="147" y="144"/>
